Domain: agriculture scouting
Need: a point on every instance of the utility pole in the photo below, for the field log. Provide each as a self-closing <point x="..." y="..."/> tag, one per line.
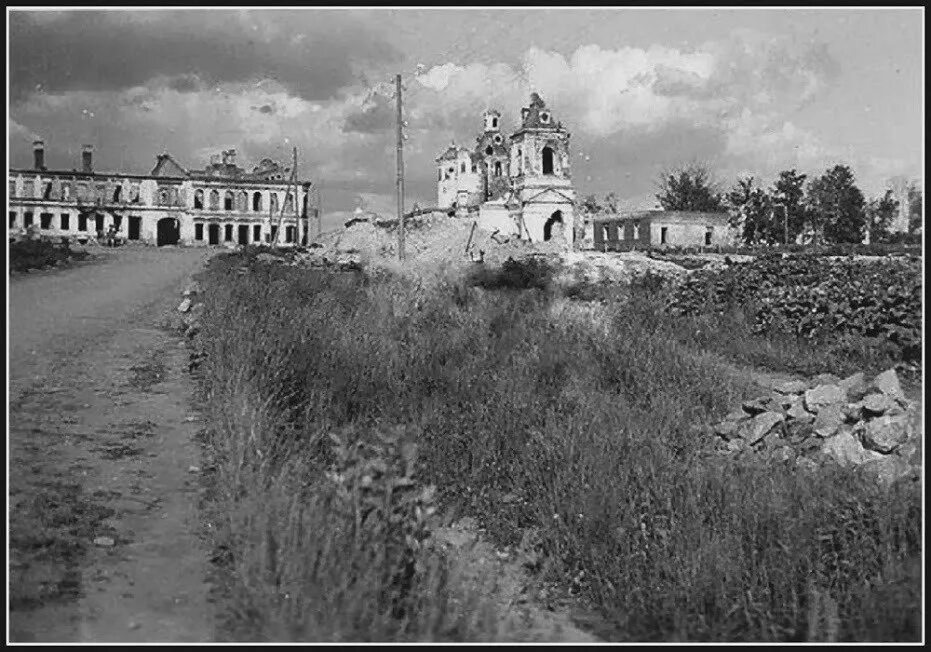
<point x="319" y="208"/>
<point x="291" y="180"/>
<point x="397" y="83"/>
<point x="297" y="214"/>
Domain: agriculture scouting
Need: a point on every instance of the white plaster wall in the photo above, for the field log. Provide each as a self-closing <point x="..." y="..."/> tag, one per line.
<point x="537" y="215"/>
<point x="148" y="192"/>
<point x="493" y="217"/>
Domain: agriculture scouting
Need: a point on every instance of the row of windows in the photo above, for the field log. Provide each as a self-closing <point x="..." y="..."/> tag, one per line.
<point x="663" y="233"/>
<point x="85" y="192"/>
<point x="441" y="176"/>
<point x="240" y="202"/>
<point x="166" y="197"/>
<point x="241" y="233"/>
<point x="46" y="221"/>
<point x="620" y="231"/>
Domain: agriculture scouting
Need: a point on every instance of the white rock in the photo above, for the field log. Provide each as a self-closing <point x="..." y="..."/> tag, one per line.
<point x="185" y="306"/>
<point x="791" y="387"/>
<point x="822" y="395"/>
<point x="104" y="542"/>
<point x="759" y="426"/>
<point x="888" y="383"/>
<point x="884" y="434"/>
<point x="829" y="420"/>
<point x="846" y="450"/>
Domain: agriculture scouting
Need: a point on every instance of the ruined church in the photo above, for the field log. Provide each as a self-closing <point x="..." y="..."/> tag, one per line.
<point x="520" y="185"/>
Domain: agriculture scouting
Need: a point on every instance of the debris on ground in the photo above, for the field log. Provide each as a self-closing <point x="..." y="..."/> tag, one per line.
<point x="849" y="422"/>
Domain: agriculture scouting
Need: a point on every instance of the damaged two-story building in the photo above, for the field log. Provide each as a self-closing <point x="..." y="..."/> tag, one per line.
<point x="222" y="204"/>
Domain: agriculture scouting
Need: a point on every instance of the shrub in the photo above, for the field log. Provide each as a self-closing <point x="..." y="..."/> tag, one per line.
<point x="36" y="254"/>
<point x="524" y="274"/>
<point x="811" y="296"/>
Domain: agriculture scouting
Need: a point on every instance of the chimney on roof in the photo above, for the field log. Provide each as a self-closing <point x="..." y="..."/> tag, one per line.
<point x="87" y="158"/>
<point x="38" y="150"/>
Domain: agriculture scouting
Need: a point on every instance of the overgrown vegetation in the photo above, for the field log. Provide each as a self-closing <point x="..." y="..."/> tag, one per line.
<point x="534" y="414"/>
<point x="36" y="254"/>
<point x="812" y="296"/>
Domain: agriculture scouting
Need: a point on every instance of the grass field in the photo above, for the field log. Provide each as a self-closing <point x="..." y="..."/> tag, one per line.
<point x="534" y="414"/>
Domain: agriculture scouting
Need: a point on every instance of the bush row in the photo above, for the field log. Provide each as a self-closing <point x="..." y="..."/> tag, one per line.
<point x="812" y="296"/>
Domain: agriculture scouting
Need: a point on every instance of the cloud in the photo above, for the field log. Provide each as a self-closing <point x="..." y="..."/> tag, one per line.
<point x="377" y="115"/>
<point x="312" y="54"/>
<point x="256" y="83"/>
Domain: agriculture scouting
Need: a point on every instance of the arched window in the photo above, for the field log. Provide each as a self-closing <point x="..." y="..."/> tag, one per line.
<point x="274" y="202"/>
<point x="289" y="203"/>
<point x="257" y="202"/>
<point x="497" y="168"/>
<point x="163" y="197"/>
<point x="494" y="123"/>
<point x="116" y="194"/>
<point x="198" y="198"/>
<point x="462" y="168"/>
<point x="228" y="201"/>
<point x="243" y="204"/>
<point x="65" y="191"/>
<point x="214" y="200"/>
<point x="547" y="160"/>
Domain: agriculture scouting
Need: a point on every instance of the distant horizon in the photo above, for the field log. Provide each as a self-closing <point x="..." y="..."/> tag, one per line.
<point x="755" y="92"/>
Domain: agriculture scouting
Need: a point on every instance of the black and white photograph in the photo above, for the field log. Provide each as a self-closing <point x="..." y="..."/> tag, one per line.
<point x="564" y="325"/>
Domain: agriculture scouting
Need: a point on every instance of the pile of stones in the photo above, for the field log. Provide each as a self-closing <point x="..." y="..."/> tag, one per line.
<point x="191" y="310"/>
<point x="852" y="422"/>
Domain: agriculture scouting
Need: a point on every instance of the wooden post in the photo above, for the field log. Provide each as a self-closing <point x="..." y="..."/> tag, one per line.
<point x="397" y="82"/>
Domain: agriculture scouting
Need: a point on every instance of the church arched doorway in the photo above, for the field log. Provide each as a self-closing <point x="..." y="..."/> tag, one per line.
<point x="548" y="227"/>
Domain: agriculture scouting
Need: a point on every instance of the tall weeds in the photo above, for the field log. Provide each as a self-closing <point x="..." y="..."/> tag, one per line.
<point x="535" y="413"/>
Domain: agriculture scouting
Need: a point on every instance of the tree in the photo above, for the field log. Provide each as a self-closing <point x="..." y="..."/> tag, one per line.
<point x="915" y="221"/>
<point x="753" y="212"/>
<point x="689" y="188"/>
<point x="590" y="205"/>
<point x="880" y="213"/>
<point x="836" y="206"/>
<point x="611" y="203"/>
<point x="789" y="191"/>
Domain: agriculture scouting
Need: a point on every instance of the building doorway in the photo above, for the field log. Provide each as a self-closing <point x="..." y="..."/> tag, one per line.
<point x="555" y="218"/>
<point x="98" y="223"/>
<point x="135" y="224"/>
<point x="168" y="231"/>
<point x="213" y="234"/>
<point x="243" y="234"/>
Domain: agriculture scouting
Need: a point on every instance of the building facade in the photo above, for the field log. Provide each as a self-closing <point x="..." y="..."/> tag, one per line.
<point x="222" y="204"/>
<point x="520" y="185"/>
<point x="652" y="229"/>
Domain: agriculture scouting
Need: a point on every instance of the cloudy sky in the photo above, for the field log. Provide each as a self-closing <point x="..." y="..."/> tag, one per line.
<point x="747" y="91"/>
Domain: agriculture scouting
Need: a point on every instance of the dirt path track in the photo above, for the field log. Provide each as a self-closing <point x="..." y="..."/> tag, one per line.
<point x="103" y="542"/>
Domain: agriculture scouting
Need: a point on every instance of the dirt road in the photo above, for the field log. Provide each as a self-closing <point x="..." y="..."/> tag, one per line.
<point x="103" y="530"/>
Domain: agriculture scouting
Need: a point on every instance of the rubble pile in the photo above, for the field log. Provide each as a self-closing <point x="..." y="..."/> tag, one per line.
<point x="191" y="309"/>
<point x="431" y="241"/>
<point x="851" y="422"/>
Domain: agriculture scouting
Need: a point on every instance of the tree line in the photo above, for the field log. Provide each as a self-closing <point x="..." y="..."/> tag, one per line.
<point x="825" y="209"/>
